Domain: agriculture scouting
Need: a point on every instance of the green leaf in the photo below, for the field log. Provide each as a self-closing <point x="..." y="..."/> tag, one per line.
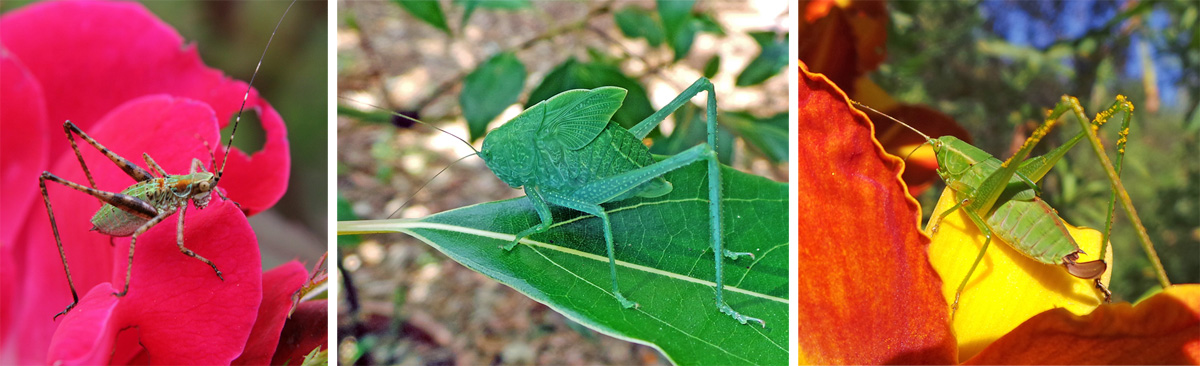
<point x="572" y="74"/>
<point x="469" y="6"/>
<point x="674" y="15"/>
<point x="491" y="88"/>
<point x="636" y="22"/>
<point x="678" y="25"/>
<point x="768" y="135"/>
<point x="428" y="11"/>
<point x="345" y="212"/>
<point x="768" y="63"/>
<point x="711" y="67"/>
<point x="665" y="264"/>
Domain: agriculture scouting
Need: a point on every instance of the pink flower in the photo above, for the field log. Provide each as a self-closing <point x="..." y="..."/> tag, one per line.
<point x="126" y="79"/>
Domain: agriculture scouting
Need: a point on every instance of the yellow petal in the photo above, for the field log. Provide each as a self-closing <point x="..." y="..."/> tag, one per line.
<point x="1007" y="287"/>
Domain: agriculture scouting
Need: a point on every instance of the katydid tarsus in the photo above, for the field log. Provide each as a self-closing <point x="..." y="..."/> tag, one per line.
<point x="154" y="198"/>
<point x="565" y="151"/>
<point x="1003" y="199"/>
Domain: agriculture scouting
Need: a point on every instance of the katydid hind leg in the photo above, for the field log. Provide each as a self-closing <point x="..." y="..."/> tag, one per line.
<point x="61" y="253"/>
<point x="714" y="180"/>
<point x="131" y="169"/>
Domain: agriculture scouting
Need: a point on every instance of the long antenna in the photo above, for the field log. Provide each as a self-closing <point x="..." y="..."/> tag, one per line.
<point x="415" y="120"/>
<point x="927" y="139"/>
<point x="864" y="106"/>
<point x="246" y="96"/>
<point x="414" y="195"/>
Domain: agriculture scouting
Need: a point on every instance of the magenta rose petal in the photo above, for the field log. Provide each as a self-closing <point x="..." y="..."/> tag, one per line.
<point x="278" y="286"/>
<point x="24" y="116"/>
<point x="22" y="119"/>
<point x="87" y="336"/>
<point x="304" y="332"/>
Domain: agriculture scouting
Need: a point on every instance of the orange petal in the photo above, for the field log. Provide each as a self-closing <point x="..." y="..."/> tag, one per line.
<point x="1161" y="330"/>
<point x="1008" y="287"/>
<point x="867" y="292"/>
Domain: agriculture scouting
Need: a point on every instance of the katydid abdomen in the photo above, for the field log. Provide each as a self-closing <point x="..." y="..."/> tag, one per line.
<point x="614" y="151"/>
<point x="1033" y="229"/>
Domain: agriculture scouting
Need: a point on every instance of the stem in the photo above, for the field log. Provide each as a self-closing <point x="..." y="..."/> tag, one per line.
<point x="1126" y="203"/>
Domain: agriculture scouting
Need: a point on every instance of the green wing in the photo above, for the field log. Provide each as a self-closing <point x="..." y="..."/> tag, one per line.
<point x="575" y="117"/>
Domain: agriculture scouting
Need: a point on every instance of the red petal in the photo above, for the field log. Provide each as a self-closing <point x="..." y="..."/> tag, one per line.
<point x="843" y="42"/>
<point x="304" y="332"/>
<point x="120" y="51"/>
<point x="23" y="116"/>
<point x="1161" y="330"/>
<point x="278" y="286"/>
<point x="869" y="294"/>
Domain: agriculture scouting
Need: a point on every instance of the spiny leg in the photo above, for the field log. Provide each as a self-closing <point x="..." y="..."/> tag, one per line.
<point x="121" y="201"/>
<point x="1120" y="106"/>
<point x="179" y="239"/>
<point x="539" y="204"/>
<point x="131" y="169"/>
<point x="61" y="252"/>
<point x="987" y="232"/>
<point x="597" y="211"/>
<point x="133" y="244"/>
<point x="714" y="179"/>
<point x="153" y="165"/>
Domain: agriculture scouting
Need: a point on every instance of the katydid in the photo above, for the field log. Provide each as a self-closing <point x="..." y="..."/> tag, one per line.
<point x="565" y="151"/>
<point x="1003" y="198"/>
<point x="134" y="210"/>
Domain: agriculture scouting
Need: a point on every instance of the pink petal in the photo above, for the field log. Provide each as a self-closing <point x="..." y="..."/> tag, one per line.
<point x="278" y="286"/>
<point x="304" y="332"/>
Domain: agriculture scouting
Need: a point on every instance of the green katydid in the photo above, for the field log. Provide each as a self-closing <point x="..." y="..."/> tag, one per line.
<point x="1002" y="198"/>
<point x="143" y="205"/>
<point x="566" y="152"/>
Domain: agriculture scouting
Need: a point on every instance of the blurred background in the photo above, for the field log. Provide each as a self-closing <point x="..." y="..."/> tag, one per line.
<point x="994" y="67"/>
<point x="230" y="37"/>
<point x="403" y="302"/>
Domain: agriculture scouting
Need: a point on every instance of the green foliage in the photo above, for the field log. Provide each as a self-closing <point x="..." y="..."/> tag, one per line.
<point x="491" y="88"/>
<point x="665" y="264"/>
<point x="711" y="67"/>
<point x="770" y="61"/>
<point x="428" y="11"/>
<point x="636" y="22"/>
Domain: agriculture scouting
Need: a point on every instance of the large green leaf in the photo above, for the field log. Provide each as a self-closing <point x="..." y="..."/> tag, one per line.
<point x="491" y="88"/>
<point x="665" y="264"/>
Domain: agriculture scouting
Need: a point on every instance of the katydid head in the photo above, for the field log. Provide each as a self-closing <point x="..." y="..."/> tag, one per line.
<point x="508" y="150"/>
